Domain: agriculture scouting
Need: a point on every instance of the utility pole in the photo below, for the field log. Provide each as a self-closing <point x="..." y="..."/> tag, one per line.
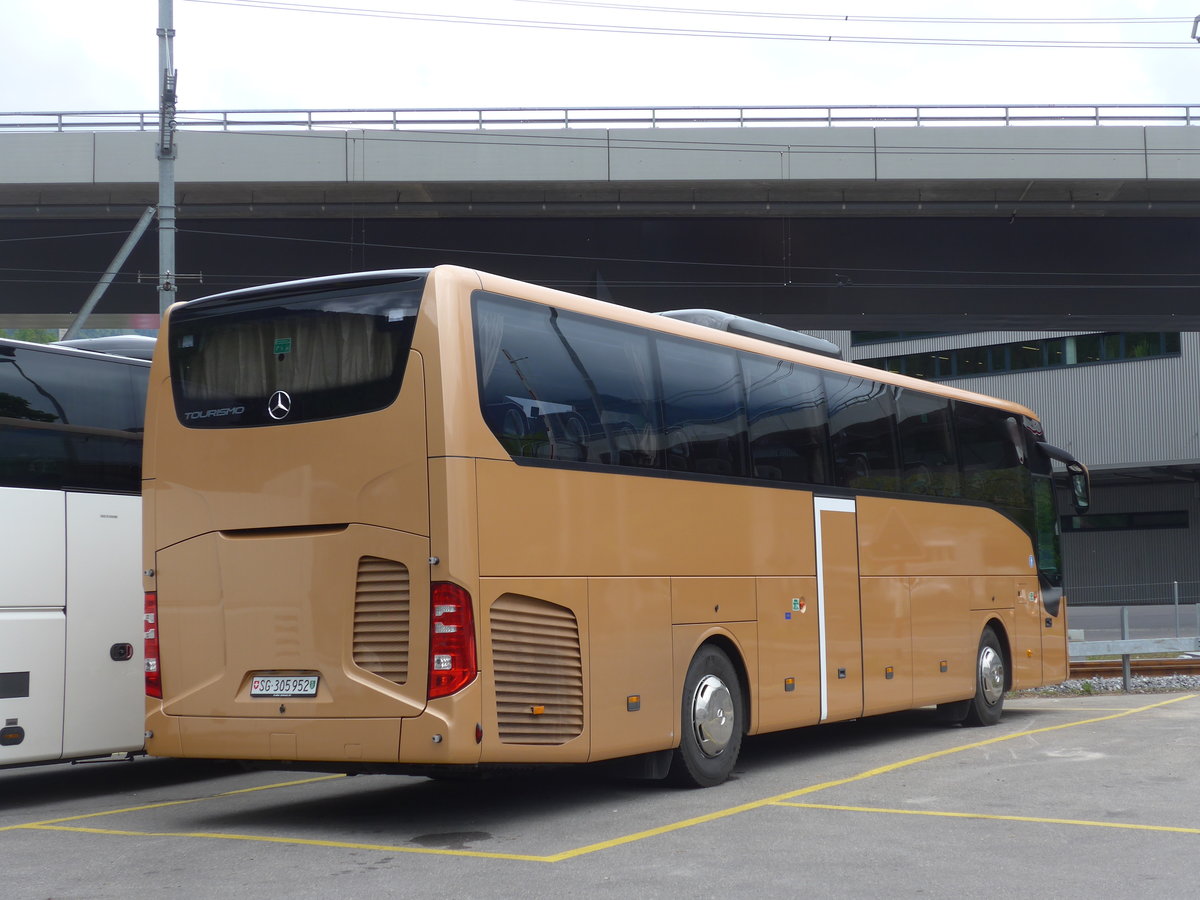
<point x="167" y="275"/>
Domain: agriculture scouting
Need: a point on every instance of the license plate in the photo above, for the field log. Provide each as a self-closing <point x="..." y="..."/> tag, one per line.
<point x="283" y="686"/>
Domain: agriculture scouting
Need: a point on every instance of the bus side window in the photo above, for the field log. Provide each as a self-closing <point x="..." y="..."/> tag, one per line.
<point x="530" y="388"/>
<point x="561" y="387"/>
<point x="620" y="421"/>
<point x="927" y="454"/>
<point x="991" y="471"/>
<point x="862" y="428"/>
<point x="704" y="419"/>
<point x="788" y="423"/>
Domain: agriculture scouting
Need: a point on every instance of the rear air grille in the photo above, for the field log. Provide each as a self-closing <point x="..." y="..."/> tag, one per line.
<point x="538" y="671"/>
<point x="381" y="604"/>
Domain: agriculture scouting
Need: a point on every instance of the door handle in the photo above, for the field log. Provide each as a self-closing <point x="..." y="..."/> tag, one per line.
<point x="121" y="652"/>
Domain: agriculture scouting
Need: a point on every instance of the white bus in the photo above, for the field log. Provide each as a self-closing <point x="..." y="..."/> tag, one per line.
<point x="71" y="635"/>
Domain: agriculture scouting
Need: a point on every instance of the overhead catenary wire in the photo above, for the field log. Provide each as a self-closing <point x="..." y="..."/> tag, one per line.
<point x="780" y="269"/>
<point x="668" y="31"/>
<point x="850" y="17"/>
<point x="60" y="237"/>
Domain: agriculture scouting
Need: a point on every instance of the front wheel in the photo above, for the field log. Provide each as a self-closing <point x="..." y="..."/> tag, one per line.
<point x="711" y="721"/>
<point x="990" y="682"/>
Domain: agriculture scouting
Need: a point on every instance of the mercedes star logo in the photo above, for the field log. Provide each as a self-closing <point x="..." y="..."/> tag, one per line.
<point x="279" y="405"/>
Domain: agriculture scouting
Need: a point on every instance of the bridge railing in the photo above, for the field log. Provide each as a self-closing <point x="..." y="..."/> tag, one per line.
<point x="604" y="117"/>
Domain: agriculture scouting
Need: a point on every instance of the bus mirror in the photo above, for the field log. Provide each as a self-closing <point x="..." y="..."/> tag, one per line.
<point x="1081" y="488"/>
<point x="1016" y="436"/>
<point x="1077" y="475"/>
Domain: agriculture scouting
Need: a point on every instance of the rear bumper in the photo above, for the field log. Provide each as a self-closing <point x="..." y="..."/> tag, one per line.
<point x="349" y="740"/>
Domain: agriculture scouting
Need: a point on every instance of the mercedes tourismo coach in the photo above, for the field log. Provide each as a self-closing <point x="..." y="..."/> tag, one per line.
<point x="405" y="520"/>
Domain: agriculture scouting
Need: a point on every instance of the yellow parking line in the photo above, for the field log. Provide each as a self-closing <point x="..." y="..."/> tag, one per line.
<point x="937" y="754"/>
<point x="777" y="800"/>
<point x="1068" y="708"/>
<point x="812" y="789"/>
<point x="303" y="842"/>
<point x="166" y="803"/>
<point x="961" y="815"/>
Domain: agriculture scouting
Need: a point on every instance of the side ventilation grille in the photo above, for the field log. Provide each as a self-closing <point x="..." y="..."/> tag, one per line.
<point x="381" y="610"/>
<point x="538" y="671"/>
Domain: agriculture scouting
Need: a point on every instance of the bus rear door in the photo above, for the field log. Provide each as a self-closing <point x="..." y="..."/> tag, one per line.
<point x="839" y="611"/>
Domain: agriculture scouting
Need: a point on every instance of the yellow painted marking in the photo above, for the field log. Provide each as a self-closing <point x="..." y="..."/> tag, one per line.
<point x="1066" y="708"/>
<point x="304" y="842"/>
<point x="166" y="803"/>
<point x="777" y="800"/>
<point x="812" y="789"/>
<point x="960" y="815"/>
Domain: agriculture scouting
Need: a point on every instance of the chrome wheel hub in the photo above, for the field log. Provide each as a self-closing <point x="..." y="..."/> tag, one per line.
<point x="991" y="674"/>
<point x="712" y="715"/>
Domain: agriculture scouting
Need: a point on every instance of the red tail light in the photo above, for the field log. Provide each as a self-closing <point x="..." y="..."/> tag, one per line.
<point x="451" y="639"/>
<point x="153" y="676"/>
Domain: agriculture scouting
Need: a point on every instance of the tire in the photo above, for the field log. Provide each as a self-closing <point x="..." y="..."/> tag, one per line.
<point x="712" y="721"/>
<point x="991" y="677"/>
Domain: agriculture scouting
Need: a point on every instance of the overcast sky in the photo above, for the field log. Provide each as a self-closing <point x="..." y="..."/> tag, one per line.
<point x="58" y="55"/>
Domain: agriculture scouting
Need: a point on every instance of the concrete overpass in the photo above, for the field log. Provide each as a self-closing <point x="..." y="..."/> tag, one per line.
<point x="1082" y="217"/>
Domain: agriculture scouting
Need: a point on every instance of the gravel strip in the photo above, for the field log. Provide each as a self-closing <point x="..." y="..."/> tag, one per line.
<point x="1138" y="684"/>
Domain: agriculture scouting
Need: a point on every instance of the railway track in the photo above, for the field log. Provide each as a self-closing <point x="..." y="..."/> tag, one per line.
<point x="1111" y="668"/>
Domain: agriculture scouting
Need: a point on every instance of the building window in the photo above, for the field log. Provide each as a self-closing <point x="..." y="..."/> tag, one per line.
<point x="1139" y="521"/>
<point x="883" y="337"/>
<point x="1084" y="349"/>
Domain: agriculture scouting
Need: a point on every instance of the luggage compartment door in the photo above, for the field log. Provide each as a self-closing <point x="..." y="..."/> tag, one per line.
<point x="32" y="624"/>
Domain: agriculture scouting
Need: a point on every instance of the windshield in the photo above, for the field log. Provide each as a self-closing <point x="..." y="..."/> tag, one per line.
<point x="290" y="358"/>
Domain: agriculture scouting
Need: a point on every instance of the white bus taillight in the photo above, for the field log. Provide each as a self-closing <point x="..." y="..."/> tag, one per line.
<point x="153" y="676"/>
<point x="451" y="639"/>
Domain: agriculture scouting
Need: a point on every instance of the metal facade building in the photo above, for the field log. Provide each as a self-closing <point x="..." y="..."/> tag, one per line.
<point x="1045" y="223"/>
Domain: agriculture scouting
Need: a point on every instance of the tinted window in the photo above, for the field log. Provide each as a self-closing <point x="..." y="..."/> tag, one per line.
<point x="559" y="386"/>
<point x="621" y="408"/>
<point x="70" y="421"/>
<point x="991" y="470"/>
<point x="562" y="387"/>
<point x="928" y="464"/>
<point x="333" y="353"/>
<point x="703" y="415"/>
<point x="788" y="424"/>
<point x="862" y="432"/>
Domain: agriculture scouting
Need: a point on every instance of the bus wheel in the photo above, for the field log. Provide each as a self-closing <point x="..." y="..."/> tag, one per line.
<point x="711" y="721"/>
<point x="987" y="705"/>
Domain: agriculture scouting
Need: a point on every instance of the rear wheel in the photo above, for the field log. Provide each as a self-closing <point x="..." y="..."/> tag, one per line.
<point x="711" y="721"/>
<point x="990" y="682"/>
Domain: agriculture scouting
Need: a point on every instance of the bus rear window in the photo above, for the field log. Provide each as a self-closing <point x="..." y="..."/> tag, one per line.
<point x="283" y="359"/>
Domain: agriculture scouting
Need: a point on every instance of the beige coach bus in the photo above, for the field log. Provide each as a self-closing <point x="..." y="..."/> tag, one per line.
<point x="416" y="521"/>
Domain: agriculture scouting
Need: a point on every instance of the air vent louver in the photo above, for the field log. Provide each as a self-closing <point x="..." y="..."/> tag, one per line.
<point x="538" y="671"/>
<point x="381" y="613"/>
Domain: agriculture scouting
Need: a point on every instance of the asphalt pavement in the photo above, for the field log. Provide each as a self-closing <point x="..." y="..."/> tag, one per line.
<point x="1067" y="797"/>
